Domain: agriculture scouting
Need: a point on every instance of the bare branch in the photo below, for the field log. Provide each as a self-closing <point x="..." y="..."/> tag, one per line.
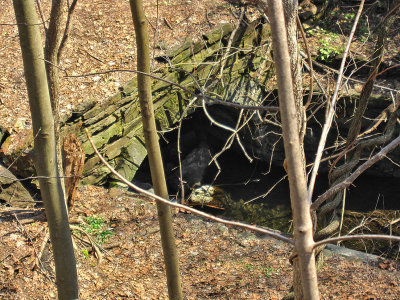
<point x="347" y="182"/>
<point x="41" y="15"/>
<point x="347" y="77"/>
<point x="303" y="35"/>
<point x="357" y="237"/>
<point x="331" y="113"/>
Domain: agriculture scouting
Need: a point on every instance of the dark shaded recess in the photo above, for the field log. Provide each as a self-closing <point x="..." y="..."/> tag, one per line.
<point x="245" y="180"/>
<point x="198" y="138"/>
<point x="4" y="134"/>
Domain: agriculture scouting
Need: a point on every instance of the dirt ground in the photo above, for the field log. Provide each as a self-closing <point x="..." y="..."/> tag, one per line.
<point x="216" y="262"/>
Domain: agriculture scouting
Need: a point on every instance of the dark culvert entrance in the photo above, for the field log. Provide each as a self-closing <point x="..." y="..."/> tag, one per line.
<point x="258" y="190"/>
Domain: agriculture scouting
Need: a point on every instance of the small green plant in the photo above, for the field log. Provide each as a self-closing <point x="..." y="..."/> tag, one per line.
<point x="97" y="227"/>
<point x="249" y="267"/>
<point x="85" y="253"/>
<point x="329" y="48"/>
<point x="269" y="270"/>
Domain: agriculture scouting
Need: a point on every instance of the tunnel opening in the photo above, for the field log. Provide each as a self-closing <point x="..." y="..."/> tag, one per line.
<point x="258" y="190"/>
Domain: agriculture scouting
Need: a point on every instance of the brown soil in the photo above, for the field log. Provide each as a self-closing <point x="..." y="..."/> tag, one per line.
<point x="216" y="262"/>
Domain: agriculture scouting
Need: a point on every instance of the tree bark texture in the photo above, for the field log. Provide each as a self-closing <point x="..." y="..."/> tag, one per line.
<point x="54" y="35"/>
<point x="45" y="158"/>
<point x="303" y="229"/>
<point x="290" y="10"/>
<point x="153" y="151"/>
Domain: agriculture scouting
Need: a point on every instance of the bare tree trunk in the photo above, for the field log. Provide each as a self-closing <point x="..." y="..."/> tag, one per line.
<point x="54" y="35"/>
<point x="53" y="41"/>
<point x="290" y="14"/>
<point x="290" y="9"/>
<point x="45" y="156"/>
<point x="303" y="229"/>
<point x="154" y="153"/>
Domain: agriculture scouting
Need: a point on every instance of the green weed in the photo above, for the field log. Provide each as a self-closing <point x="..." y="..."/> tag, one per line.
<point x="328" y="50"/>
<point x="249" y="267"/>
<point x="97" y="227"/>
<point x="269" y="270"/>
<point x="85" y="253"/>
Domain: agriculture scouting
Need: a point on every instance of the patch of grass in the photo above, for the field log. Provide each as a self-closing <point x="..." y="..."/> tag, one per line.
<point x="266" y="271"/>
<point x="329" y="43"/>
<point x="328" y="50"/>
<point x="97" y="227"/>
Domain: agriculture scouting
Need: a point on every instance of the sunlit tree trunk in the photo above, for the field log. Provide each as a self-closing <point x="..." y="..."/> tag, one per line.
<point x="290" y="11"/>
<point x="295" y="74"/>
<point x="45" y="158"/>
<point x="303" y="229"/>
<point x="154" y="153"/>
<point x="54" y="35"/>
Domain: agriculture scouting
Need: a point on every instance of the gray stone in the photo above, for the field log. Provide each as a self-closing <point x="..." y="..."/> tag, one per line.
<point x="351" y="254"/>
<point x="13" y="192"/>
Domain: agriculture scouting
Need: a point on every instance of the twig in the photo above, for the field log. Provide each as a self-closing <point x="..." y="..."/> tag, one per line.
<point x="41" y="250"/>
<point x="37" y="260"/>
<point x="266" y="194"/>
<point x="382" y="117"/>
<point x="185" y="207"/>
<point x="229" y="45"/>
<point x="385" y="17"/>
<point x="30" y="178"/>
<point x="223" y="126"/>
<point x="347" y="77"/>
<point x="231" y="138"/>
<point x="342" y="214"/>
<point x="167" y="24"/>
<point x="179" y="149"/>
<point x="94" y="57"/>
<point x="41" y="15"/>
